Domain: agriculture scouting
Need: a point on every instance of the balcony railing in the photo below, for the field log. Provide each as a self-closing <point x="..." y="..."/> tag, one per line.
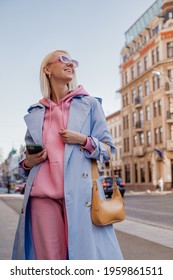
<point x="138" y="101"/>
<point x="139" y="125"/>
<point x="169" y="145"/>
<point x="169" y="116"/>
<point x="139" y="151"/>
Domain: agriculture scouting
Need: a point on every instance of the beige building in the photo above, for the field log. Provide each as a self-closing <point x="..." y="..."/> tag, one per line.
<point x="147" y="99"/>
<point x="114" y="124"/>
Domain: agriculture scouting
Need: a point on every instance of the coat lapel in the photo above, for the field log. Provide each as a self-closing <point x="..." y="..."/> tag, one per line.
<point x="79" y="111"/>
<point x="34" y="122"/>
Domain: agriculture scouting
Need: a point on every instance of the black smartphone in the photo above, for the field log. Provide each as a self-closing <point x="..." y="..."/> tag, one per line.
<point x="34" y="149"/>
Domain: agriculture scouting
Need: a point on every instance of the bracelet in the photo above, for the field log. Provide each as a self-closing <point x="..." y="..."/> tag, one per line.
<point x="25" y="166"/>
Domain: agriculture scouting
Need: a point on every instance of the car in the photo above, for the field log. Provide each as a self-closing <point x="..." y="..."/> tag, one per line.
<point x="20" y="187"/>
<point x="107" y="183"/>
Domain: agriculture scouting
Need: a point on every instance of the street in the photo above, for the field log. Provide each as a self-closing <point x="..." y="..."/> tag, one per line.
<point x="146" y="234"/>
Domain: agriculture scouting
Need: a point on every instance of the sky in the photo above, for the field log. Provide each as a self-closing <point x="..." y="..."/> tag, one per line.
<point x="91" y="30"/>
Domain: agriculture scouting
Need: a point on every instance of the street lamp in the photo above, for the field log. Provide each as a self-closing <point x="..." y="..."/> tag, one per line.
<point x="169" y="80"/>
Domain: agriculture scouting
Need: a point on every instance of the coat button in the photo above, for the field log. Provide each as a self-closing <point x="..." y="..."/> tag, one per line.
<point x="22" y="211"/>
<point x="88" y="203"/>
<point x="85" y="175"/>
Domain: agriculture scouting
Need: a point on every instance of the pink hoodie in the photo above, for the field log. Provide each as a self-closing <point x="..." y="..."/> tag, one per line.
<point x="49" y="181"/>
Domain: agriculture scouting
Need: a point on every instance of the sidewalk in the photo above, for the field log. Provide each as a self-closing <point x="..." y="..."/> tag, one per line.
<point x="155" y="234"/>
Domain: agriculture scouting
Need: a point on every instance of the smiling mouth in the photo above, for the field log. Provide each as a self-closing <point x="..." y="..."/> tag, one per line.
<point x="68" y="70"/>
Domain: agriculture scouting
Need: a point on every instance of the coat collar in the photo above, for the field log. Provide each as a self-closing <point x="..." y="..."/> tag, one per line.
<point x="79" y="110"/>
<point x="34" y="122"/>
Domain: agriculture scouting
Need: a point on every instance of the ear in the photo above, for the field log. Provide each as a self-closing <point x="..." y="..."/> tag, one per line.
<point x="46" y="70"/>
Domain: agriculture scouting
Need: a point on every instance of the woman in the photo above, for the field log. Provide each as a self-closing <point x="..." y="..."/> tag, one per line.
<point x="55" y="220"/>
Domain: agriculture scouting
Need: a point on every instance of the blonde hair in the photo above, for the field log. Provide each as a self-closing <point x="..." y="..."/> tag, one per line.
<point x="44" y="80"/>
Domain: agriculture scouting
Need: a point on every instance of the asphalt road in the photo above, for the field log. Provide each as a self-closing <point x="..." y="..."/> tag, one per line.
<point x="154" y="209"/>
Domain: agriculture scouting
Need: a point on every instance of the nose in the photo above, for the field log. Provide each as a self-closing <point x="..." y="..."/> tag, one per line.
<point x="70" y="63"/>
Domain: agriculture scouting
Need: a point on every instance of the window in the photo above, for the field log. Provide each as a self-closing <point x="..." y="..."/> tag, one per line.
<point x="141" y="118"/>
<point x="119" y="130"/>
<point x="128" y="146"/>
<point x="154" y="83"/>
<point x="135" y="140"/>
<point x="149" y="172"/>
<point x="125" y="100"/>
<point x="153" y="57"/>
<point x="146" y="62"/>
<point x="120" y="153"/>
<point x="170" y="73"/>
<point x="170" y="49"/>
<point x="127" y="173"/>
<point x="155" y="30"/>
<point x="155" y="109"/>
<point x="133" y="95"/>
<point x="142" y="171"/>
<point x="136" y="172"/>
<point x="139" y="68"/>
<point x="148" y="112"/>
<point x="156" y="134"/>
<point x="115" y="132"/>
<point x="125" y="146"/>
<point x="148" y="138"/>
<point x="142" y="139"/>
<point x="157" y="54"/>
<point x="134" y="118"/>
<point x="125" y="122"/>
<point x="159" y="108"/>
<point x="161" y="134"/>
<point x="147" y="88"/>
<point x="158" y="81"/>
<point x="132" y="72"/>
<point x="140" y="93"/>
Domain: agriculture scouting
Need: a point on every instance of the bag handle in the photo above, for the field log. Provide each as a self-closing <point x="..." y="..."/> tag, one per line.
<point x="95" y="173"/>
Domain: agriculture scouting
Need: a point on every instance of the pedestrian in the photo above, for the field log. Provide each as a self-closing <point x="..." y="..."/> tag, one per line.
<point x="55" y="220"/>
<point x="8" y="186"/>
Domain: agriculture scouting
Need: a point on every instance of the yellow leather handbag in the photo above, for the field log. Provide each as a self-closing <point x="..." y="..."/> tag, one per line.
<point x="109" y="211"/>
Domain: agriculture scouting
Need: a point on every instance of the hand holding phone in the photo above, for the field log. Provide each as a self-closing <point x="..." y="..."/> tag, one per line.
<point x="34" y="149"/>
<point x="35" y="154"/>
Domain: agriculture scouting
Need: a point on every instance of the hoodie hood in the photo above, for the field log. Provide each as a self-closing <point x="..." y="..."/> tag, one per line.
<point x="47" y="102"/>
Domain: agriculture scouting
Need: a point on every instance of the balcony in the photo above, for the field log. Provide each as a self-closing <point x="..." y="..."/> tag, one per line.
<point x="139" y="125"/>
<point x="139" y="151"/>
<point x="138" y="102"/>
<point x="168" y="88"/>
<point x="169" y="117"/>
<point x="169" y="145"/>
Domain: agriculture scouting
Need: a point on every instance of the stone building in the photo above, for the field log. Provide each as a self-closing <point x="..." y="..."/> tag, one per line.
<point x="147" y="99"/>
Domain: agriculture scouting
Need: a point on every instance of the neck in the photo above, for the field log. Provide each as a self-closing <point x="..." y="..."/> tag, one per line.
<point x="58" y="92"/>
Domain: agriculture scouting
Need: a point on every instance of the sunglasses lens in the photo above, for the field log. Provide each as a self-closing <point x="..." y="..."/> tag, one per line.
<point x="75" y="63"/>
<point x="64" y="59"/>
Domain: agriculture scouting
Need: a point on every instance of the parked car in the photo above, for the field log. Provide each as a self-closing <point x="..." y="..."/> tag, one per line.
<point x="20" y="187"/>
<point x="107" y="182"/>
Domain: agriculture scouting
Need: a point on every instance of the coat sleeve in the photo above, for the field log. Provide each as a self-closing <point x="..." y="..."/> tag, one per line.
<point x="28" y="140"/>
<point x="99" y="133"/>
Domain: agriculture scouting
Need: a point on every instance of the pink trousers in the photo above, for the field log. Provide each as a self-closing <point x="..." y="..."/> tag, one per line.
<point x="49" y="228"/>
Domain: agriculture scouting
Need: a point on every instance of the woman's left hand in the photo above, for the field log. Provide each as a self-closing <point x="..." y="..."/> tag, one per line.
<point x="72" y="137"/>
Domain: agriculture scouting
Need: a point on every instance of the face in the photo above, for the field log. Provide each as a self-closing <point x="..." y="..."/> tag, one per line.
<point x="61" y="66"/>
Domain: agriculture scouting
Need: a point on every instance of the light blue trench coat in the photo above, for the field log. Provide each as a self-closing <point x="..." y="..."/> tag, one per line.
<point x="85" y="240"/>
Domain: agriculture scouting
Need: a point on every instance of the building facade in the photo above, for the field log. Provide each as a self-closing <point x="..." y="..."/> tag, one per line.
<point x="147" y="99"/>
<point x="114" y="124"/>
